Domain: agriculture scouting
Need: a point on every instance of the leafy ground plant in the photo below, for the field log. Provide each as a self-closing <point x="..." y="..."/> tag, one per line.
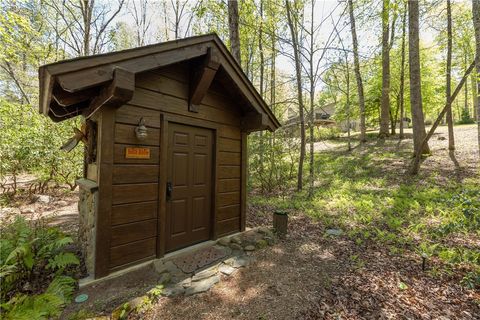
<point x="367" y="194"/>
<point x="35" y="270"/>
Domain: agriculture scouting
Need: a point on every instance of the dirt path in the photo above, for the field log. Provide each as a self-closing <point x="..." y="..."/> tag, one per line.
<point x="314" y="276"/>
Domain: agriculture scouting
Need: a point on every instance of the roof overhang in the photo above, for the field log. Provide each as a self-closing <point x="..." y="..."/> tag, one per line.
<point x="83" y="85"/>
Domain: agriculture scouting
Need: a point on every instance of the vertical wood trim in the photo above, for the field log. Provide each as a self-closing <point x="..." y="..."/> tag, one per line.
<point x="243" y="193"/>
<point x="215" y="157"/>
<point x="104" y="211"/>
<point x="162" y="189"/>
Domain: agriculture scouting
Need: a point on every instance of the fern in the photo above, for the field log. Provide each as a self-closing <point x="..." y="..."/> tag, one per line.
<point x="43" y="306"/>
<point x="62" y="286"/>
<point x="28" y="248"/>
<point x="62" y="260"/>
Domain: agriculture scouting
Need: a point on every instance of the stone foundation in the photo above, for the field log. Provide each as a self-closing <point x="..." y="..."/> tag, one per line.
<point x="87" y="209"/>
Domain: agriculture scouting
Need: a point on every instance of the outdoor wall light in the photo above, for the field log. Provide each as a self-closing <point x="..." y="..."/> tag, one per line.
<point x="141" y="130"/>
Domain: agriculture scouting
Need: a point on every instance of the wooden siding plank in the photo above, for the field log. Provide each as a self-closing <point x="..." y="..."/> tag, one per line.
<point x="131" y="115"/>
<point x="229" y="226"/>
<point x="178" y="71"/>
<point x="230" y="132"/>
<point x="229" y="158"/>
<point x="230" y="145"/>
<point x="131" y="232"/>
<point x="159" y="101"/>
<point x="228" y="185"/>
<point x="228" y="212"/>
<point x="131" y="252"/>
<point x="228" y="198"/>
<point x="229" y="172"/>
<point x="127" y="213"/>
<point x="125" y="133"/>
<point x="119" y="156"/>
<point x="128" y="193"/>
<point x="133" y="173"/>
<point x="179" y="87"/>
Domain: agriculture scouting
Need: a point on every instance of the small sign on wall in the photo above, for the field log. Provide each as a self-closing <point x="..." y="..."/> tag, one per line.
<point x="137" y="153"/>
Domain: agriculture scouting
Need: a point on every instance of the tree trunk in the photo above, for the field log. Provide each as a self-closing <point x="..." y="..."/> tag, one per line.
<point x="262" y="72"/>
<point x="474" y="95"/>
<point x="415" y="166"/>
<point x="401" y="94"/>
<point x="385" y="105"/>
<point x="87" y="10"/>
<point x="298" y="71"/>
<point x="448" y="88"/>
<point x="312" y="103"/>
<point x="476" y="25"/>
<point x="348" y="103"/>
<point x="233" y="29"/>
<point x="418" y="122"/>
<point x="466" y="88"/>
<point x="358" y="76"/>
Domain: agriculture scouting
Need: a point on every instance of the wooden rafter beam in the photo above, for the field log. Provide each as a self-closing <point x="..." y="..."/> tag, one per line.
<point x="65" y="99"/>
<point x="115" y="94"/>
<point x="202" y="77"/>
<point x="253" y="121"/>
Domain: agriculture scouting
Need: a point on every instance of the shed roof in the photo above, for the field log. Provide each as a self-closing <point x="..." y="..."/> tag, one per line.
<point x="69" y="88"/>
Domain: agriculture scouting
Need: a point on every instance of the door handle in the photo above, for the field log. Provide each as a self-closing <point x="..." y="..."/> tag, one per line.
<point x="169" y="191"/>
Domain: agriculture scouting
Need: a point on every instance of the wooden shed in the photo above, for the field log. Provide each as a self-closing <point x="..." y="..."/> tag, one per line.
<point x="166" y="138"/>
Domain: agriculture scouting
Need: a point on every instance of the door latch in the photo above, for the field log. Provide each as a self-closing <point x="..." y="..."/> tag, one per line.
<point x="169" y="191"/>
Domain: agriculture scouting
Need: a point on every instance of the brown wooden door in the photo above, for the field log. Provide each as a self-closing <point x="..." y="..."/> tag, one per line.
<point x="189" y="173"/>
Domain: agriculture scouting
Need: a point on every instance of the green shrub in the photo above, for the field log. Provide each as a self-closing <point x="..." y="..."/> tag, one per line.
<point x="35" y="148"/>
<point x="465" y="117"/>
<point x="34" y="269"/>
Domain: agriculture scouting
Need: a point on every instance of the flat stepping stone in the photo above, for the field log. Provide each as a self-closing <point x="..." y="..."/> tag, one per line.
<point x="167" y="266"/>
<point x="196" y="260"/>
<point x="334" y="232"/>
<point x="238" y="262"/>
<point x="205" y="274"/>
<point x="235" y="246"/>
<point x="202" y="286"/>
<point x="224" y="241"/>
<point x="226" y="269"/>
<point x="173" y="291"/>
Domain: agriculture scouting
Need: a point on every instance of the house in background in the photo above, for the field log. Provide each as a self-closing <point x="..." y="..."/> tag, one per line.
<point x="324" y="116"/>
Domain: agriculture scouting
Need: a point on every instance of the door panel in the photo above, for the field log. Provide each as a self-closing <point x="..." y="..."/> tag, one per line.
<point x="189" y="170"/>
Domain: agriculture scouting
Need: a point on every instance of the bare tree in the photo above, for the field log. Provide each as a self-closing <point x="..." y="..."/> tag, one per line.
<point x="233" y="29"/>
<point x="293" y="26"/>
<point x="141" y="19"/>
<point x="84" y="23"/>
<point x="448" y="86"/>
<point x="476" y="25"/>
<point x="415" y="79"/>
<point x="385" y="104"/>
<point x="401" y="93"/>
<point x="358" y="76"/>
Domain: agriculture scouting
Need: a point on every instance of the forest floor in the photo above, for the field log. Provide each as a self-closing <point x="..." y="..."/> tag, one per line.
<point x="373" y="269"/>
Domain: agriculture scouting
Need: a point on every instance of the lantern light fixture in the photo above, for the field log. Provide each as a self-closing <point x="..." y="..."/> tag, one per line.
<point x="141" y="130"/>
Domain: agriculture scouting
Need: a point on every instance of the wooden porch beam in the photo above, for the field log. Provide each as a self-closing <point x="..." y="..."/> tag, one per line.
<point x="115" y="94"/>
<point x="201" y="80"/>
